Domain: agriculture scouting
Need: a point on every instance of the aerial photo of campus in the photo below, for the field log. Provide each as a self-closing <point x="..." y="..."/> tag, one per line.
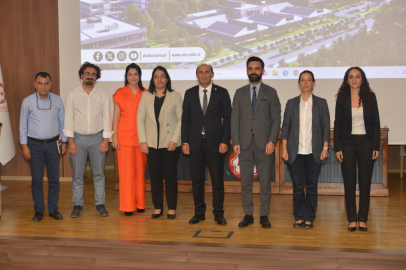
<point x="291" y="33"/>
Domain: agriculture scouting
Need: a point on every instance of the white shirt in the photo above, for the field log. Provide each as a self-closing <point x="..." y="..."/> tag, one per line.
<point x="358" y="124"/>
<point x="305" y="126"/>
<point x="87" y="114"/>
<point x="201" y="94"/>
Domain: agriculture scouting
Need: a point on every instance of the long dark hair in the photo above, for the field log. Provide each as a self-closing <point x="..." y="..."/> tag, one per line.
<point x="137" y="67"/>
<point x="365" y="91"/>
<point x="152" y="87"/>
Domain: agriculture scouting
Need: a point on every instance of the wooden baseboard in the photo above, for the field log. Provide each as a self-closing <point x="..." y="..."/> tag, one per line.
<point x="396" y="171"/>
<point x="377" y="190"/>
<point x="28" y="178"/>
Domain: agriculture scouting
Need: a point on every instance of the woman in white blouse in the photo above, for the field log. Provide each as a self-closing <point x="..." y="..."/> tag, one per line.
<point x="305" y="140"/>
<point x="356" y="141"/>
<point x="159" y="129"/>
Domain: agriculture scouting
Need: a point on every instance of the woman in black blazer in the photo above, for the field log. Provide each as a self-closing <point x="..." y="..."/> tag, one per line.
<point x="356" y="139"/>
<point x="305" y="139"/>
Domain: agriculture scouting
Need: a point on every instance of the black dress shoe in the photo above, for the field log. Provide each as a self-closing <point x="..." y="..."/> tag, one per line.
<point x="265" y="222"/>
<point x="308" y="226"/>
<point x="38" y="216"/>
<point x="298" y="225"/>
<point x="140" y="210"/>
<point x="158" y="215"/>
<point x="220" y="220"/>
<point x="171" y="216"/>
<point x="56" y="215"/>
<point x="128" y="214"/>
<point x="246" y="221"/>
<point x="196" y="219"/>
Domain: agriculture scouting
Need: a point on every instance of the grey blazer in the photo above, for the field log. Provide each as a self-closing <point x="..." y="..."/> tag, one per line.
<point x="264" y="123"/>
<point x="169" y="120"/>
<point x="320" y="127"/>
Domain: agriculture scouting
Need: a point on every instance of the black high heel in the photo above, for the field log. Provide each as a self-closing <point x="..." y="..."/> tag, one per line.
<point x="128" y="214"/>
<point x="352" y="229"/>
<point x="362" y="229"/>
<point x="141" y="210"/>
<point x="158" y="215"/>
<point x="171" y="216"/>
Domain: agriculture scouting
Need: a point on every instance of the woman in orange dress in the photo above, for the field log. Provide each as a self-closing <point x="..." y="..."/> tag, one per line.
<point x="131" y="162"/>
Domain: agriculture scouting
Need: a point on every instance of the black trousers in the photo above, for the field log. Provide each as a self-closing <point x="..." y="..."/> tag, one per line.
<point x="163" y="163"/>
<point x="215" y="162"/>
<point x="305" y="170"/>
<point x="357" y="150"/>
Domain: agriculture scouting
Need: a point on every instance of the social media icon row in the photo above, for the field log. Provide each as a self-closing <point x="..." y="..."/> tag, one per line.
<point x="110" y="56"/>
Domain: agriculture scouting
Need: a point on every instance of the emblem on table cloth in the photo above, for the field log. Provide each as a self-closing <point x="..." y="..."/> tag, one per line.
<point x="234" y="164"/>
<point x="2" y="94"/>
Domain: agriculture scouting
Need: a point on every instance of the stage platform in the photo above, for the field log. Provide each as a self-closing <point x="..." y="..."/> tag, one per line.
<point x="139" y="242"/>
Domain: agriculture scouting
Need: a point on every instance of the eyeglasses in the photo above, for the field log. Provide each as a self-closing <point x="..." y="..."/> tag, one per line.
<point x="90" y="74"/>
<point x="44" y="109"/>
<point x="156" y="77"/>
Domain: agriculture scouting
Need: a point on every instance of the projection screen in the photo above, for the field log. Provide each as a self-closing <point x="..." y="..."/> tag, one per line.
<point x="325" y="37"/>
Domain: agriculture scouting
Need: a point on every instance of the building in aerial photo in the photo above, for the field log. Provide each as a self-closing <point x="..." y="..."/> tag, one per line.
<point x="238" y="21"/>
<point x="102" y="32"/>
<point x="114" y="8"/>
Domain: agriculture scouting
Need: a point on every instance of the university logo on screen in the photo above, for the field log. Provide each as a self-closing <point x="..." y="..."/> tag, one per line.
<point x="234" y="164"/>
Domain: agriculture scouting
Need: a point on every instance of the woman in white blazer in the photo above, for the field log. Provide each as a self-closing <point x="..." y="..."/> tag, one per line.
<point x="159" y="129"/>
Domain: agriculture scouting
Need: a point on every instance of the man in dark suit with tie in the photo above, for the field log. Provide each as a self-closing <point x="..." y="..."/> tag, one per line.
<point x="255" y="124"/>
<point x="206" y="137"/>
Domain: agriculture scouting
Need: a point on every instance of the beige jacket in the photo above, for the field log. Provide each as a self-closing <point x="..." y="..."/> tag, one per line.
<point x="170" y="120"/>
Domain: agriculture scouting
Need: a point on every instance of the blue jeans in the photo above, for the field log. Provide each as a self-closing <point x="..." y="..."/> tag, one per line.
<point x="88" y="145"/>
<point x="44" y="154"/>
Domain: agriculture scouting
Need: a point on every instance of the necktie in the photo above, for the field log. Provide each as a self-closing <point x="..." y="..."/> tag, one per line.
<point x="204" y="105"/>
<point x="205" y="101"/>
<point x="254" y="99"/>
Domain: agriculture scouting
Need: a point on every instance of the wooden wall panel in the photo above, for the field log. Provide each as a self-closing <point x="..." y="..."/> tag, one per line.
<point x="28" y="44"/>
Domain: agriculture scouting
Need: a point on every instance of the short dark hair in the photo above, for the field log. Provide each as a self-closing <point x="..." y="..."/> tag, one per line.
<point x="206" y="65"/>
<point x="254" y="59"/>
<point x="137" y="67"/>
<point x="152" y="87"/>
<point x="307" y="71"/>
<point x="89" y="65"/>
<point x="43" y="74"/>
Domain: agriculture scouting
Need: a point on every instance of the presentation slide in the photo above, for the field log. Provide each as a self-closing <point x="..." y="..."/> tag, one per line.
<point x="290" y="36"/>
<point x="324" y="36"/>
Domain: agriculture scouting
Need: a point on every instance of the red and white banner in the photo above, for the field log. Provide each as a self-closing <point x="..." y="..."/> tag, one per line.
<point x="7" y="150"/>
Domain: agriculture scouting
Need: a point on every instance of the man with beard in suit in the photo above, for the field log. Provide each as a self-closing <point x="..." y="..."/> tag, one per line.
<point x="255" y="124"/>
